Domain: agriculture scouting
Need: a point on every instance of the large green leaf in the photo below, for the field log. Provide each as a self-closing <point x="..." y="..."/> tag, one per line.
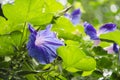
<point x="6" y="26"/>
<point x="112" y="36"/>
<point x="70" y="55"/>
<point x="86" y="64"/>
<point x="42" y="18"/>
<point x="9" y="43"/>
<point x="3" y="25"/>
<point x="66" y="29"/>
<point x="86" y="73"/>
<point x="72" y="43"/>
<point x="68" y="36"/>
<point x="31" y="11"/>
<point x="74" y="58"/>
<point x="53" y="6"/>
<point x="64" y="24"/>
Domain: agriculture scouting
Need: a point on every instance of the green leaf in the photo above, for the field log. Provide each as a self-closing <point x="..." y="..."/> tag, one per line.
<point x="19" y="12"/>
<point x="112" y="36"/>
<point x="9" y="42"/>
<point x="6" y="47"/>
<point x="87" y="73"/>
<point x="41" y="19"/>
<point x="6" y="27"/>
<point x="61" y="77"/>
<point x="99" y="51"/>
<point x="74" y="58"/>
<point x="68" y="35"/>
<point x="71" y="69"/>
<point x="16" y="37"/>
<point x="31" y="77"/>
<point x="104" y="62"/>
<point x="72" y="43"/>
<point x="30" y="11"/>
<point x="64" y="24"/>
<point x="66" y="29"/>
<point x="86" y="64"/>
<point x="53" y="6"/>
<point x="104" y="44"/>
<point x="3" y="25"/>
<point x="70" y="55"/>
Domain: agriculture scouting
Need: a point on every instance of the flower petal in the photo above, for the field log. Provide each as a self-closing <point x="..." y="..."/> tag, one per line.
<point x="89" y="30"/>
<point x="106" y="28"/>
<point x="42" y="54"/>
<point x="31" y="29"/>
<point x="96" y="42"/>
<point x="75" y="15"/>
<point x="47" y="52"/>
<point x="68" y="16"/>
<point x="115" y="48"/>
<point x="109" y="49"/>
<point x="76" y="12"/>
<point x="31" y="41"/>
<point x="54" y="41"/>
<point x="32" y="37"/>
<point x="47" y="32"/>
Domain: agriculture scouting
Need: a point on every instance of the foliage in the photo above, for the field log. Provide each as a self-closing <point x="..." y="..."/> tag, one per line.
<point x="77" y="59"/>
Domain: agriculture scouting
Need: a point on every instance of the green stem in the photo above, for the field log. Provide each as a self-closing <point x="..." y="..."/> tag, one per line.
<point x="23" y="34"/>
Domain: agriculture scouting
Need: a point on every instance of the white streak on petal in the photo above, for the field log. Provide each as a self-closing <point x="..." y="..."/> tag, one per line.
<point x="109" y="49"/>
<point x="39" y="40"/>
<point x="96" y="42"/>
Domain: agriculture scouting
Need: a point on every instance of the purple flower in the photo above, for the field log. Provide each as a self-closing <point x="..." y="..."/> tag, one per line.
<point x="94" y="35"/>
<point x="74" y="17"/>
<point x="114" y="48"/>
<point x="42" y="45"/>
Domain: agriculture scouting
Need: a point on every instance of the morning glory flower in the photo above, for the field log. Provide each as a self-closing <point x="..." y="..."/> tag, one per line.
<point x="42" y="45"/>
<point x="114" y="48"/>
<point x="74" y="17"/>
<point x="94" y="35"/>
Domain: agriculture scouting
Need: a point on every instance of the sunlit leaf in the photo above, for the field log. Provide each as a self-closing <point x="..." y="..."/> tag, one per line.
<point x="86" y="73"/>
<point x="73" y="57"/>
<point x="64" y="24"/>
<point x="6" y="26"/>
<point x="68" y="35"/>
<point x="72" y="43"/>
<point x="30" y="11"/>
<point x="112" y="36"/>
<point x="9" y="43"/>
<point x="86" y="64"/>
<point x="66" y="29"/>
<point x="53" y="8"/>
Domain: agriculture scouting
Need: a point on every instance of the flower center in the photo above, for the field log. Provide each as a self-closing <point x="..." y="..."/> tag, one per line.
<point x="39" y="40"/>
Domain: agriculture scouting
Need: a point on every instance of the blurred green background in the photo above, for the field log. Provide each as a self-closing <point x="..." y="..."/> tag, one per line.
<point x="99" y="11"/>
